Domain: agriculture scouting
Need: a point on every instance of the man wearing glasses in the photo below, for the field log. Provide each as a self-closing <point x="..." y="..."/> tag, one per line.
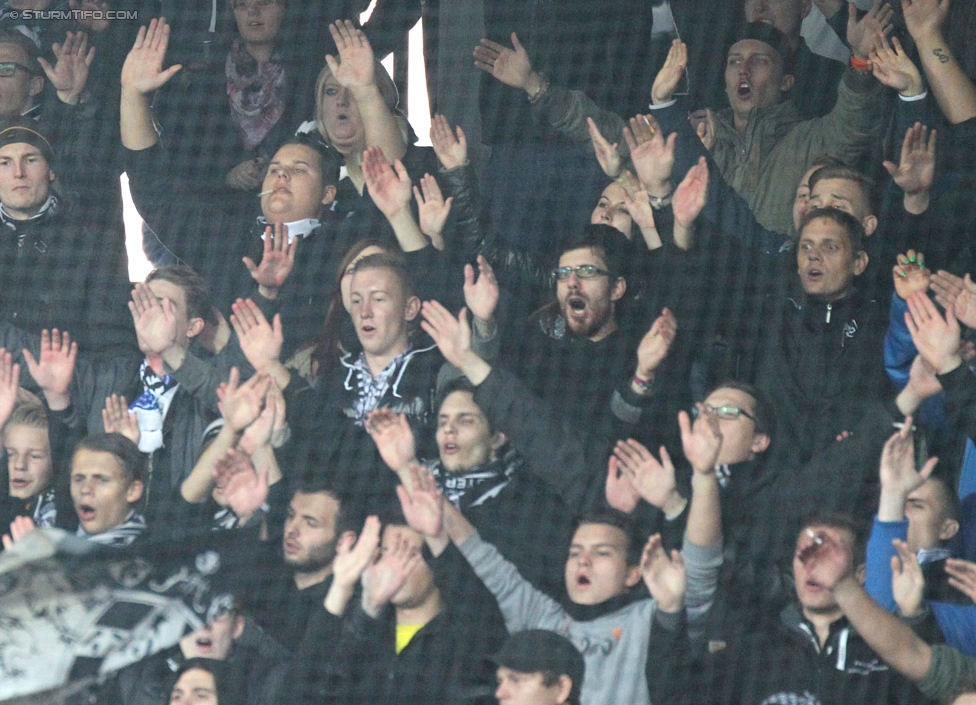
<point x="573" y="353"/>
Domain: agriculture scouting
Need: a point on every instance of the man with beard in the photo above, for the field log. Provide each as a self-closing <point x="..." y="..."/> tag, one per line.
<point x="574" y="352"/>
<point x="287" y="597"/>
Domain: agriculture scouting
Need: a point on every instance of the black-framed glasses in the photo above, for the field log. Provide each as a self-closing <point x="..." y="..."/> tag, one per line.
<point x="725" y="412"/>
<point x="9" y="68"/>
<point x="584" y="271"/>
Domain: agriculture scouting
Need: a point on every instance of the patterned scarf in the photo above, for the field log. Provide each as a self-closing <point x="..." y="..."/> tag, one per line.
<point x="151" y="406"/>
<point x="50" y="207"/>
<point x="372" y="389"/>
<point x="46" y="512"/>
<point x="474" y="487"/>
<point x="121" y="535"/>
<point x="257" y="93"/>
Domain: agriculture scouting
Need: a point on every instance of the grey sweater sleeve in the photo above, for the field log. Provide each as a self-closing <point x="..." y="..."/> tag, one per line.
<point x="702" y="564"/>
<point x="522" y="606"/>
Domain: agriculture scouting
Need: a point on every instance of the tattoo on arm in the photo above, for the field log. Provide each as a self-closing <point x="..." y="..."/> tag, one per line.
<point x="941" y="55"/>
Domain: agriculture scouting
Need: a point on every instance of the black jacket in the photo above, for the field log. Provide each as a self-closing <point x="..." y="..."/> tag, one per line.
<point x="62" y="269"/>
<point x="822" y="366"/>
<point x="783" y="662"/>
<point x="328" y="440"/>
<point x="445" y="662"/>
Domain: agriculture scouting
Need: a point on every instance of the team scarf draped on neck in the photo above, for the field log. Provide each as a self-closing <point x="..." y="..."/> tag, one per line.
<point x="150" y="407"/>
<point x="50" y="207"/>
<point x="121" y="535"/>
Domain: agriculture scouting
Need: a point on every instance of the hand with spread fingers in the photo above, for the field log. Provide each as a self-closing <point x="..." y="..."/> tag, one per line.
<point x="277" y="261"/>
<point x="385" y="577"/>
<point x="510" y="66"/>
<point x="432" y="209"/>
<point x="936" y="338"/>
<point x="355" y="67"/>
<point x="244" y="489"/>
<point x="957" y="292"/>
<point x="260" y="341"/>
<point x="664" y="575"/>
<point x="393" y="437"/>
<point x="55" y="369"/>
<point x="915" y="171"/>
<point x="117" y="418"/>
<point x="451" y="148"/>
<point x="142" y="71"/>
<point x="19" y="528"/>
<point x="907" y="581"/>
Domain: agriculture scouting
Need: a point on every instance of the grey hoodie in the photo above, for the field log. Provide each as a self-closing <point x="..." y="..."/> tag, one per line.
<point x="615" y="645"/>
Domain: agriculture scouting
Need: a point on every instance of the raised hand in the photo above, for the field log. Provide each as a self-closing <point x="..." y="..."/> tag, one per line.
<point x="924" y="17"/>
<point x="386" y="577"/>
<point x="907" y="581"/>
<point x="260" y="341"/>
<point x="432" y="209"/>
<point x="353" y="555"/>
<point x="936" y="338"/>
<point x="653" y="480"/>
<point x="451" y="149"/>
<point x="702" y="441"/>
<point x="277" y="261"/>
<point x="142" y="71"/>
<point x="116" y="418"/>
<point x="56" y="367"/>
<point x="862" y="34"/>
<point x="667" y="79"/>
<point x="19" y="528"/>
<point x="827" y="561"/>
<point x="958" y="293"/>
<point x="962" y="576"/>
<point x="389" y="189"/>
<point x="422" y="503"/>
<point x="691" y="195"/>
<point x="393" y="437"/>
<point x="452" y="335"/>
<point x="606" y="154"/>
<point x="481" y="294"/>
<point x="259" y="432"/>
<point x="651" y="154"/>
<point x="619" y="489"/>
<point x="916" y="170"/>
<point x="663" y="575"/>
<point x="154" y="319"/>
<point x="244" y="489"/>
<point x="241" y="404"/>
<point x="704" y="123"/>
<point x="510" y="66"/>
<point x="638" y="202"/>
<point x="892" y="67"/>
<point x="910" y="274"/>
<point x="898" y="474"/>
<point x="70" y="73"/>
<point x="9" y="385"/>
<point x="355" y="67"/>
<point x="656" y="344"/>
<point x="922" y="380"/>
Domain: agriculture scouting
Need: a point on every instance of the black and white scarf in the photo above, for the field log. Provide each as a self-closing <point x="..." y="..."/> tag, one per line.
<point x="118" y="536"/>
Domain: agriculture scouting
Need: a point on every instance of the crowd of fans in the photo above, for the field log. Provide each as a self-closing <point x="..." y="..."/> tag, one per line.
<point x="671" y="402"/>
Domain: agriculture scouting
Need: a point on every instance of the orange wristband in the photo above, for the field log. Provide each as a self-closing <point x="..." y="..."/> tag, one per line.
<point x="862" y="65"/>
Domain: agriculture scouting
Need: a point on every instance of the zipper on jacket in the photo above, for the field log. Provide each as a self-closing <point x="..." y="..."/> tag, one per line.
<point x="830" y="306"/>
